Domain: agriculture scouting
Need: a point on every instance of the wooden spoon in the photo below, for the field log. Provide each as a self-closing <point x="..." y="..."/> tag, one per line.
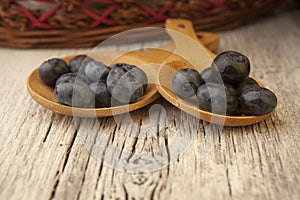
<point x="44" y="94"/>
<point x="189" y="55"/>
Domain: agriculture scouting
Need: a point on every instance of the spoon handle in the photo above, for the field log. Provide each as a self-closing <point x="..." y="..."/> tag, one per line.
<point x="187" y="43"/>
<point x="182" y="26"/>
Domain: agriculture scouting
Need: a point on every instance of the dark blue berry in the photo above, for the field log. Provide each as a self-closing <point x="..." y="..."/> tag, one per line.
<point x="101" y="94"/>
<point x="118" y="65"/>
<point x="96" y="71"/>
<point x="257" y="101"/>
<point x="78" y="63"/>
<point x="134" y="70"/>
<point x="216" y="98"/>
<point x="234" y="67"/>
<point x="248" y="83"/>
<point x="72" y="77"/>
<point x="210" y="76"/>
<point x="52" y="69"/>
<point x="113" y="77"/>
<point x="186" y="82"/>
<point x="124" y="86"/>
<point x="74" y="94"/>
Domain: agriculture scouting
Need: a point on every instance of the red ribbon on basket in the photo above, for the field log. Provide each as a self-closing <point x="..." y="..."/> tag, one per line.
<point x="154" y="16"/>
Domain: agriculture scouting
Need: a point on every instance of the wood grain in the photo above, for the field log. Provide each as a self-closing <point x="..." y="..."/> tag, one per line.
<point x="46" y="156"/>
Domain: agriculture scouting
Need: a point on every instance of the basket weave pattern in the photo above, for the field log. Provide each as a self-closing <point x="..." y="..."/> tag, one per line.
<point x="43" y="19"/>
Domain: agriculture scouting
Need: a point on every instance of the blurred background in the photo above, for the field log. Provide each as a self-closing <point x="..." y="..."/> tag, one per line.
<point x="85" y="23"/>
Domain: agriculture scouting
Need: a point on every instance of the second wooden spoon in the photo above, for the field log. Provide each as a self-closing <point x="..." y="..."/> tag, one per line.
<point x="190" y="53"/>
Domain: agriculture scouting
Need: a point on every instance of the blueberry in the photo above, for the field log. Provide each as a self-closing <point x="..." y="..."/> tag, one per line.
<point x="78" y="63"/>
<point x="102" y="96"/>
<point x="52" y="69"/>
<point x="118" y="65"/>
<point x="186" y="82"/>
<point x="234" y="67"/>
<point x="124" y="86"/>
<point x="210" y="76"/>
<point x="216" y="98"/>
<point x="74" y="94"/>
<point x="248" y="83"/>
<point x="72" y="77"/>
<point x="257" y="101"/>
<point x="137" y="72"/>
<point x="113" y="77"/>
<point x="96" y="71"/>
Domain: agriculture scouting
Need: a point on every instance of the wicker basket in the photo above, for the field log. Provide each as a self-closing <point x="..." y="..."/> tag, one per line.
<point x="84" y="23"/>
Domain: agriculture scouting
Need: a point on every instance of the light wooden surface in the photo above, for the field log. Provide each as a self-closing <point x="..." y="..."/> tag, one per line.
<point x="42" y="156"/>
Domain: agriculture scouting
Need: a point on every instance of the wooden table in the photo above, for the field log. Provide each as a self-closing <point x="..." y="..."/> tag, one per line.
<point x="44" y="156"/>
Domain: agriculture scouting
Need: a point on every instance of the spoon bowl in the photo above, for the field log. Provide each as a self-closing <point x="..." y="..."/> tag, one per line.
<point x="44" y="94"/>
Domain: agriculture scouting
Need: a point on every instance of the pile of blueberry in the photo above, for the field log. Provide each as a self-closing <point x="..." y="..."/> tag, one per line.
<point x="87" y="83"/>
<point x="225" y="88"/>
